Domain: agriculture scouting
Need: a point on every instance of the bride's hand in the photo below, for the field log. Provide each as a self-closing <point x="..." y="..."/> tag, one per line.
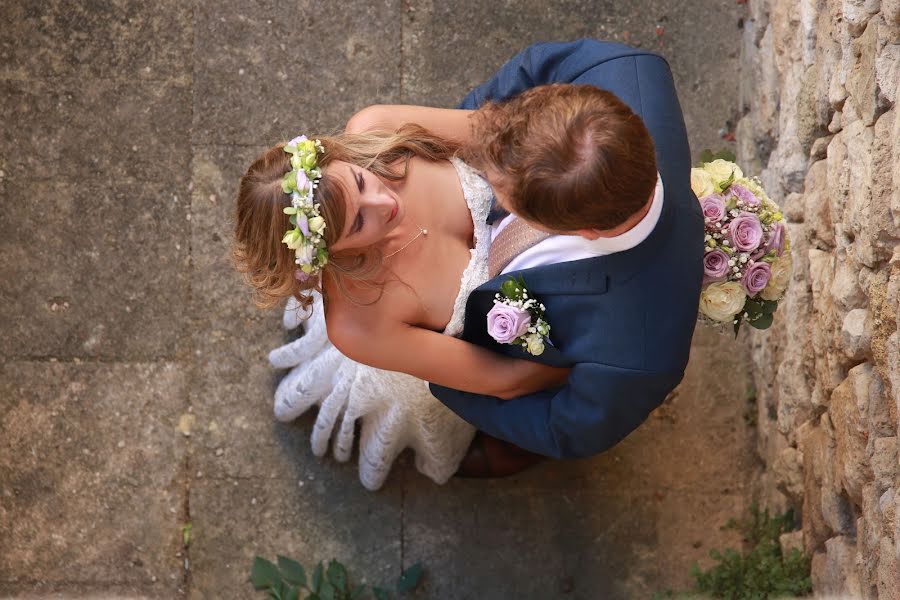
<point x="533" y="377"/>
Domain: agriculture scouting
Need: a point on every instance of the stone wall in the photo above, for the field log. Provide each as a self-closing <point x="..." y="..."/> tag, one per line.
<point x="819" y="85"/>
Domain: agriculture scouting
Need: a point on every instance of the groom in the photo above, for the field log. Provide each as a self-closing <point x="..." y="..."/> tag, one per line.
<point x="622" y="318"/>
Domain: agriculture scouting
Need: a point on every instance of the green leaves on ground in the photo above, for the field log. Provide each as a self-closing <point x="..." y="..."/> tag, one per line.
<point x="286" y="580"/>
<point x="762" y="570"/>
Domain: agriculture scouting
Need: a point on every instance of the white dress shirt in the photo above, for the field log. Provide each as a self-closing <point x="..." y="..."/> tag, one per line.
<point x="562" y="248"/>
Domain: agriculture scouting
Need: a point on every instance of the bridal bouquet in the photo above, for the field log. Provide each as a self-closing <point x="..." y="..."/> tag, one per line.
<point x="747" y="265"/>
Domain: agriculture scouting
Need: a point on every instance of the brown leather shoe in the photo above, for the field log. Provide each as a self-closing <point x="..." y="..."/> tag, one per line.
<point x="491" y="457"/>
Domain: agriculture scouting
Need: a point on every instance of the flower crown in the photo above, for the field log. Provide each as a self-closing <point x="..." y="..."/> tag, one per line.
<point x="306" y="238"/>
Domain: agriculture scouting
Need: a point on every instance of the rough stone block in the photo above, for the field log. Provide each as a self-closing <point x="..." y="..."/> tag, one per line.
<point x="788" y="468"/>
<point x="854" y="334"/>
<point x="887" y="71"/>
<point x="861" y="83"/>
<point x="849" y="413"/>
<point x="91" y="495"/>
<point x="858" y="13"/>
<point x="888" y="570"/>
<point x="834" y="571"/>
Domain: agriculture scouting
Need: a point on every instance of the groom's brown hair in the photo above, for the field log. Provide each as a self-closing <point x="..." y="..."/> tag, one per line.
<point x="566" y="156"/>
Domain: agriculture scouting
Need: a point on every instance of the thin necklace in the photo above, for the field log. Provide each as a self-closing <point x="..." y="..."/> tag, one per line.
<point x="418" y="235"/>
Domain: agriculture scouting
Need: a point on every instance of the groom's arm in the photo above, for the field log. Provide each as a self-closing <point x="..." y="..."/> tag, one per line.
<point x="596" y="410"/>
<point x="546" y="62"/>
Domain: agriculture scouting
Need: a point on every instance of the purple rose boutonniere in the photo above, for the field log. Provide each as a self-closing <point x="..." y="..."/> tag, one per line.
<point x="518" y="318"/>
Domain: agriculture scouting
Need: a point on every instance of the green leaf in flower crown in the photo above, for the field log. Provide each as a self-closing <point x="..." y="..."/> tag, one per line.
<point x="264" y="574"/>
<point x="508" y="289"/>
<point x="337" y="575"/>
<point x="409" y="579"/>
<point x="293" y="220"/>
<point x="763" y="322"/>
<point x="292" y="571"/>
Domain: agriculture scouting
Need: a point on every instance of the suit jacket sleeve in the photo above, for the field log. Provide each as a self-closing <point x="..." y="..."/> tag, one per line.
<point x="547" y="62"/>
<point x="596" y="410"/>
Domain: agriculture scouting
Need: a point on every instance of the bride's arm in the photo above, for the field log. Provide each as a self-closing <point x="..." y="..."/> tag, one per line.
<point x="443" y="359"/>
<point x="448" y="123"/>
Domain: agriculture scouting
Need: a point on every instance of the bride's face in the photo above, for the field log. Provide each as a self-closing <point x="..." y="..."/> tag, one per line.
<point x="372" y="208"/>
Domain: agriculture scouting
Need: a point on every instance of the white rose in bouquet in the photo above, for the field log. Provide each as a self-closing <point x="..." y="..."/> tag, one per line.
<point x="781" y="276"/>
<point x="722" y="301"/>
<point x="721" y="171"/>
<point x="702" y="183"/>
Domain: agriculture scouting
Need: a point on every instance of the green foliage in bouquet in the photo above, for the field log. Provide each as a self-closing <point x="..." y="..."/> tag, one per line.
<point x="287" y="579"/>
<point x="761" y="572"/>
<point x="707" y="156"/>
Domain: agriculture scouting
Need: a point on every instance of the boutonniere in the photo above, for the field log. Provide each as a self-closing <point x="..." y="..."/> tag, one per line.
<point x="518" y="318"/>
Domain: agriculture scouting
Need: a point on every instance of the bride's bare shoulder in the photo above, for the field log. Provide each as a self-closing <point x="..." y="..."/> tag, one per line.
<point x="353" y="321"/>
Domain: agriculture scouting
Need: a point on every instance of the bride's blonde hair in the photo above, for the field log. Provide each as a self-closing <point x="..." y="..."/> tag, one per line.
<point x="267" y="264"/>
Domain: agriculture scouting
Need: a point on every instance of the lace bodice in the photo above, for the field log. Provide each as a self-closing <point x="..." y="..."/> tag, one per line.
<point x="478" y="196"/>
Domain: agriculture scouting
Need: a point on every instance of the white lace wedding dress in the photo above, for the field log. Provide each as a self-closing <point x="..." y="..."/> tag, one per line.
<point x="395" y="410"/>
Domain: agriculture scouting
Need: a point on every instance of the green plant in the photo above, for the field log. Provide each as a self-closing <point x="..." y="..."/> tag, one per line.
<point x="286" y="580"/>
<point x="762" y="571"/>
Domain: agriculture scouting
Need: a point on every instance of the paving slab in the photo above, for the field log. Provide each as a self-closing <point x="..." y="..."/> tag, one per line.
<point x="130" y="38"/>
<point x="115" y="131"/>
<point x="306" y="518"/>
<point x="91" y="488"/>
<point x="92" y="270"/>
<point x="494" y="540"/>
<point x="267" y="70"/>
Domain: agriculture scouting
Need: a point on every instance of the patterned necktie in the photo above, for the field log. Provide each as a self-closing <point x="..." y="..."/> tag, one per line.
<point x="514" y="239"/>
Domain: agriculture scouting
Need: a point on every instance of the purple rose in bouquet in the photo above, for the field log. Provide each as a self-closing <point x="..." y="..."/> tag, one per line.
<point x="715" y="266"/>
<point x="746" y="232"/>
<point x="776" y="239"/>
<point x="713" y="208"/>
<point x="756" y="278"/>
<point x="506" y="323"/>
<point x="744" y="195"/>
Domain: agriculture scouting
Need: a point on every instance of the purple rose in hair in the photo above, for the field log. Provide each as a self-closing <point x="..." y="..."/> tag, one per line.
<point x="756" y="278"/>
<point x="506" y="323"/>
<point x="744" y="195"/>
<point x="715" y="266"/>
<point x="746" y="232"/>
<point x="297" y="140"/>
<point x="776" y="239"/>
<point x="713" y="208"/>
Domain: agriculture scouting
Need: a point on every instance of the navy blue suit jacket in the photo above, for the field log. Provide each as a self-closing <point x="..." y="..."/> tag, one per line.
<point x="624" y="322"/>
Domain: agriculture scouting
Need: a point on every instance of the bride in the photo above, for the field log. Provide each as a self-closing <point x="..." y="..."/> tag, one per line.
<point x="379" y="235"/>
